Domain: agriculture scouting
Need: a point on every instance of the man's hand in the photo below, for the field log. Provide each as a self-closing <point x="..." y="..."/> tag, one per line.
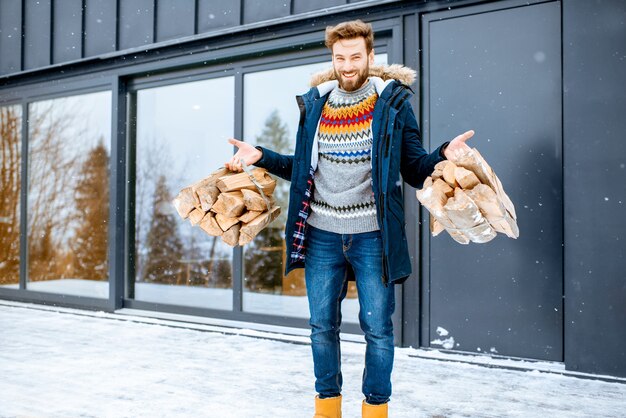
<point x="458" y="146"/>
<point x="247" y="152"/>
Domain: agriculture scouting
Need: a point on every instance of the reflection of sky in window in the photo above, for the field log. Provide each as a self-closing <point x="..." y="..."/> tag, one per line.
<point x="265" y="91"/>
<point x="89" y="114"/>
<point x="191" y="123"/>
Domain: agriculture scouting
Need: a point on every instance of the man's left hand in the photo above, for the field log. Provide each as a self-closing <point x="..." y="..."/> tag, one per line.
<point x="458" y="146"/>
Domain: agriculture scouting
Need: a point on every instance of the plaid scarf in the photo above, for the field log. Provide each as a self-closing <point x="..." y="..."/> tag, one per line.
<point x="298" y="250"/>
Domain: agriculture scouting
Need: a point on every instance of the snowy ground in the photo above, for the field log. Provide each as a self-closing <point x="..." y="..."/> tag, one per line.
<point x="67" y="363"/>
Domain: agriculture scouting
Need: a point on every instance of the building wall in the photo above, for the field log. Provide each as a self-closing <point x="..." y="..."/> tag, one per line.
<point x="121" y="46"/>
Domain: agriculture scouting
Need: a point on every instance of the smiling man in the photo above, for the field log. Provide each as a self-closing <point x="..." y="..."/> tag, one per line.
<point x="357" y="135"/>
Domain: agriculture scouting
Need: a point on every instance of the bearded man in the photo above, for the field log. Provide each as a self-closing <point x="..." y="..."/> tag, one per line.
<point x="357" y="135"/>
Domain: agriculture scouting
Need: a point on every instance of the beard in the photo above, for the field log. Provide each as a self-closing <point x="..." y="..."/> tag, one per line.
<point x="355" y="82"/>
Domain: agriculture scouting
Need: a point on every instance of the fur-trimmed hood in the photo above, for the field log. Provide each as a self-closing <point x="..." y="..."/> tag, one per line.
<point x="404" y="75"/>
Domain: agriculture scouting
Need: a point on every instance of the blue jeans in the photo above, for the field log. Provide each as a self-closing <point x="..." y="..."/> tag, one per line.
<point x="327" y="260"/>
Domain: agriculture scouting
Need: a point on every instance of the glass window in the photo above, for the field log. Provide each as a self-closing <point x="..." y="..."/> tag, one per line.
<point x="68" y="195"/>
<point x="182" y="133"/>
<point x="10" y="178"/>
<point x="271" y="118"/>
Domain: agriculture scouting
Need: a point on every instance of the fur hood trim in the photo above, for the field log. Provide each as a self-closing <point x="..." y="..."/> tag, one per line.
<point x="404" y="75"/>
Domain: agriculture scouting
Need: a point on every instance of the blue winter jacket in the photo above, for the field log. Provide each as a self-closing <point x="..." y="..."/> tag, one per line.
<point x="396" y="149"/>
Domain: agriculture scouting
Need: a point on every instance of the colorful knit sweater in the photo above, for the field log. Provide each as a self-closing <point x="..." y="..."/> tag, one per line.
<point x="343" y="201"/>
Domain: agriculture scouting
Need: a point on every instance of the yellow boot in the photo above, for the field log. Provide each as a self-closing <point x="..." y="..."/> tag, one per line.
<point x="328" y="407"/>
<point x="374" y="411"/>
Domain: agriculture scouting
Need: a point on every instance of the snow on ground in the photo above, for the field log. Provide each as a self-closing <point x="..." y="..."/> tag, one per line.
<point x="73" y="363"/>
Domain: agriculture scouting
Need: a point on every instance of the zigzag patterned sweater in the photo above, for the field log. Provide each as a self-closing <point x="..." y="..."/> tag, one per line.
<point x="343" y="201"/>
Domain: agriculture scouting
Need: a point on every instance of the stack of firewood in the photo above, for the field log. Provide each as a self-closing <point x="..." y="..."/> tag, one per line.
<point x="466" y="198"/>
<point x="234" y="206"/>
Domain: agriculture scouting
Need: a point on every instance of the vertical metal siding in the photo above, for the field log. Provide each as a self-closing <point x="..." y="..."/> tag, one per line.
<point x="100" y="27"/>
<point x="67" y="27"/>
<point x="37" y="29"/>
<point x="257" y="10"/>
<point x="217" y="14"/>
<point x="301" y="6"/>
<point x="136" y="23"/>
<point x="594" y="59"/>
<point x="10" y="36"/>
<point x="175" y="19"/>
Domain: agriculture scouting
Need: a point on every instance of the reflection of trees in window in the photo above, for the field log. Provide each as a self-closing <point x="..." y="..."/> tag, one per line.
<point x="263" y="261"/>
<point x="10" y="158"/>
<point x="53" y="164"/>
<point x="164" y="249"/>
<point x="92" y="205"/>
<point x="199" y="260"/>
<point x="68" y="193"/>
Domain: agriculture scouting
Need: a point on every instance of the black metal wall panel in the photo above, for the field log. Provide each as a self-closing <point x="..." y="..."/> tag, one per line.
<point x="490" y="73"/>
<point x="100" y="27"/>
<point x="217" y="14"/>
<point x="37" y="32"/>
<point x="259" y="10"/>
<point x="594" y="39"/>
<point x="67" y="25"/>
<point x="135" y="23"/>
<point x="301" y="6"/>
<point x="10" y="36"/>
<point x="175" y="18"/>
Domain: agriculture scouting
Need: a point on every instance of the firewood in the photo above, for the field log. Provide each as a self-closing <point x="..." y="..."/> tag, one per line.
<point x="493" y="210"/>
<point x="206" y="190"/>
<point x="448" y="174"/>
<point x="230" y="204"/>
<point x="438" y="171"/>
<point x="465" y="178"/>
<point x="443" y="187"/>
<point x="195" y="216"/>
<point x="231" y="236"/>
<point x="185" y="202"/>
<point x="466" y="216"/>
<point x="473" y="161"/>
<point x="249" y="216"/>
<point x="225" y="222"/>
<point x="436" y="227"/>
<point x="253" y="201"/>
<point x="210" y="226"/>
<point x="434" y="199"/>
<point x="251" y="229"/>
<point x="241" y="180"/>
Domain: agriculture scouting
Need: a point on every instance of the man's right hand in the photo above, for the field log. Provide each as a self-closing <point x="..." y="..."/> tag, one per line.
<point x="245" y="151"/>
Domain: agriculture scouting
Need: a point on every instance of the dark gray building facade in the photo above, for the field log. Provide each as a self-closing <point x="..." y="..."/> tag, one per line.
<point x="108" y="108"/>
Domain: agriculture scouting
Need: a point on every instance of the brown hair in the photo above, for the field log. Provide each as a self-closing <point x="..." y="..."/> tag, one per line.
<point x="350" y="30"/>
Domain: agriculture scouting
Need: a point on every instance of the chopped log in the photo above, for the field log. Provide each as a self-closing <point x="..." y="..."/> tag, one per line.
<point x="473" y="161"/>
<point x="230" y="204"/>
<point x="465" y="178"/>
<point x="210" y="226"/>
<point x="195" y="216"/>
<point x="438" y="171"/>
<point x="448" y="174"/>
<point x="206" y="190"/>
<point x="231" y="237"/>
<point x="443" y="187"/>
<point x="493" y="210"/>
<point x="253" y="201"/>
<point x="225" y="222"/>
<point x="435" y="226"/>
<point x="434" y="200"/>
<point x="466" y="216"/>
<point x="241" y="180"/>
<point x="249" y="216"/>
<point x="251" y="229"/>
<point x="185" y="202"/>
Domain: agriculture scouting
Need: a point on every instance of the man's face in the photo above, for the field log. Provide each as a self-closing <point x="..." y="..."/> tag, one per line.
<point x="351" y="62"/>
